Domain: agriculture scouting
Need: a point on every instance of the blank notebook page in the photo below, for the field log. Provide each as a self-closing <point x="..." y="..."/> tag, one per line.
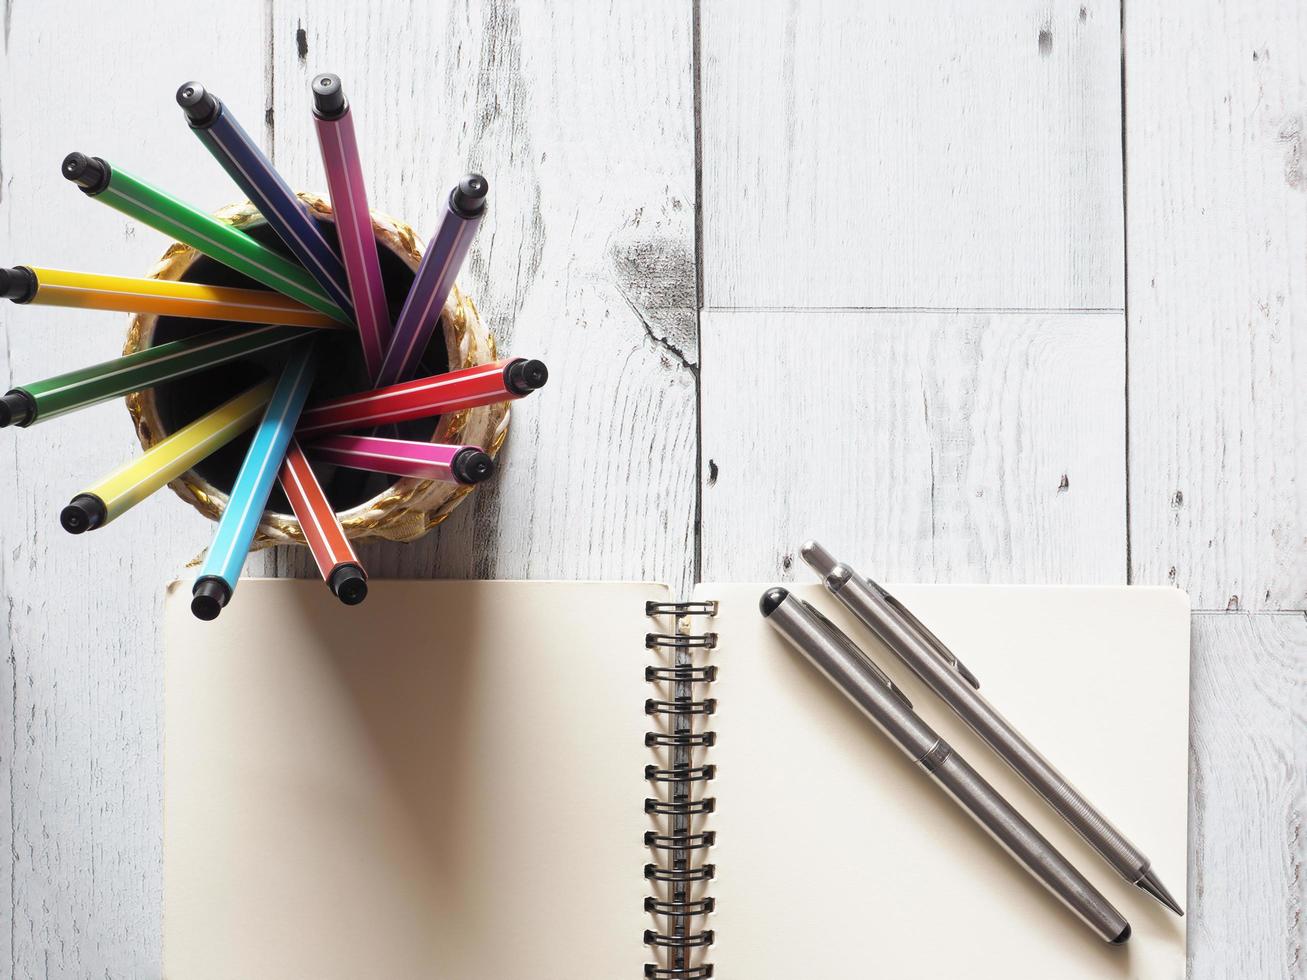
<point x="442" y="784"/>
<point x="838" y="858"/>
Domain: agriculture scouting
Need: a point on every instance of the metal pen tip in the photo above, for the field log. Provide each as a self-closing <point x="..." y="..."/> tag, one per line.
<point x="1150" y="884"/>
<point x="818" y="558"/>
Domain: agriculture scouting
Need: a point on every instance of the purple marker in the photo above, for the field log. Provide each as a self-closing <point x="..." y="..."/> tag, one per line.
<point x="435" y="278"/>
<point x="402" y="457"/>
<point x="349" y="200"/>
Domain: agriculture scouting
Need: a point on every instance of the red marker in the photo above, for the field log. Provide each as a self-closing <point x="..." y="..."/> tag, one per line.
<point x="471" y="387"/>
<point x="325" y="537"/>
<point x="403" y="457"/>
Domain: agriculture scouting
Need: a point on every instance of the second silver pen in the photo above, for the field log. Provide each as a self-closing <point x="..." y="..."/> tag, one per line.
<point x="927" y="656"/>
<point x="842" y="663"/>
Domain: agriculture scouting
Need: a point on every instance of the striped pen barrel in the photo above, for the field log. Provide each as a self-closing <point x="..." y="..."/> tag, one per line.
<point x="249" y="494"/>
<point x="471" y="387"/>
<point x="435" y="278"/>
<point x="163" y="297"/>
<point x="349" y="200"/>
<point x="44" y="400"/>
<point x="253" y="172"/>
<point x="404" y="457"/>
<point x="128" y="485"/>
<point x="203" y="232"/>
<point x="334" y="555"/>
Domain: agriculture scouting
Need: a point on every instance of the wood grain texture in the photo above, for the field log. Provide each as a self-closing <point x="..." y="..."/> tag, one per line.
<point x="82" y="686"/>
<point x="585" y="259"/>
<point x="889" y="154"/>
<point x="1248" y="786"/>
<point x="1217" y="190"/>
<point x="936" y="447"/>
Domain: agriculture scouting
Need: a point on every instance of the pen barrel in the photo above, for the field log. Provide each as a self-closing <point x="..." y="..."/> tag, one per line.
<point x="421" y="312"/>
<point x="216" y="239"/>
<point x="288" y="216"/>
<point x="358" y="244"/>
<point x="472" y="387"/>
<point x="168" y="459"/>
<point x="1044" y="862"/>
<point x="154" y="365"/>
<point x="91" y="291"/>
<point x="902" y="634"/>
<point x="855" y="677"/>
<point x="258" y="472"/>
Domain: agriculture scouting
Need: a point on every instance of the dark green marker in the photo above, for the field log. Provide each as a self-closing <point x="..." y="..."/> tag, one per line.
<point x="44" y="400"/>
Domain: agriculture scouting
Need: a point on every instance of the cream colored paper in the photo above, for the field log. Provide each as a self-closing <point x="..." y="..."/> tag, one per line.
<point x="445" y="784"/>
<point x="442" y="784"/>
<point x="836" y="858"/>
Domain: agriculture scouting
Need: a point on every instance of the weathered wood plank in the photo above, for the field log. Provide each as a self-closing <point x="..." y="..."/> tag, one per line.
<point x="900" y="155"/>
<point x="581" y="116"/>
<point x="1217" y="192"/>
<point x="1248" y="786"/>
<point x="82" y="750"/>
<point x="936" y="447"/>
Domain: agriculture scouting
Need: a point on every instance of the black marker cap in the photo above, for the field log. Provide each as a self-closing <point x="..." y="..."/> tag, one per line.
<point x="16" y="408"/>
<point x="469" y="195"/>
<point x="349" y="584"/>
<point x="771" y="599"/>
<point x="18" y="284"/>
<point x="523" y="377"/>
<point x="472" y="465"/>
<point x="200" y="105"/>
<point x="328" y="96"/>
<point x="86" y="512"/>
<point x="91" y="174"/>
<point x="209" y="596"/>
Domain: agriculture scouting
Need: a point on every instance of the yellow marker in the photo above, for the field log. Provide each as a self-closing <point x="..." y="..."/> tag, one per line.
<point x="91" y="291"/>
<point x="129" y="485"/>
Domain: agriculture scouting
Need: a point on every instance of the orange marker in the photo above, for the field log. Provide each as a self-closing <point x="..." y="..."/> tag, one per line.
<point x="325" y="537"/>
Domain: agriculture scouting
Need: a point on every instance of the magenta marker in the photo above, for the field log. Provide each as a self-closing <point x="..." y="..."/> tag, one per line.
<point x="349" y="201"/>
<point x="435" y="278"/>
<point x="402" y="457"/>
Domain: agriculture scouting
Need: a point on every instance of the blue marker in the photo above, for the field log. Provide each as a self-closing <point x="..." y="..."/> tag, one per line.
<point x="253" y="172"/>
<point x="249" y="495"/>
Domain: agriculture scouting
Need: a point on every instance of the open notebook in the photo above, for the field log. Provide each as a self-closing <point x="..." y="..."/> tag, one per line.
<point x="451" y="781"/>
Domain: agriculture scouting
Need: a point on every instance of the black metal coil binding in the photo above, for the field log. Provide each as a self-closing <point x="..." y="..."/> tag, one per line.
<point x="652" y="972"/>
<point x="678" y="849"/>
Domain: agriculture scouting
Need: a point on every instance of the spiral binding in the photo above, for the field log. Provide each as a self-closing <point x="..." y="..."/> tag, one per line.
<point x="679" y="856"/>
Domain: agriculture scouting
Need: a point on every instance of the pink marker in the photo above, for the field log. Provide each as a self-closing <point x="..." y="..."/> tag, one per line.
<point x="402" y="457"/>
<point x="349" y="200"/>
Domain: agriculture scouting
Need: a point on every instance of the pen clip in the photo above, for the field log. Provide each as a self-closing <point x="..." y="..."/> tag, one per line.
<point x="931" y="640"/>
<point x="841" y="638"/>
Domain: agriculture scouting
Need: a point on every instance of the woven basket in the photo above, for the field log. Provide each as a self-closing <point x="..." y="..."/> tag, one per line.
<point x="407" y="509"/>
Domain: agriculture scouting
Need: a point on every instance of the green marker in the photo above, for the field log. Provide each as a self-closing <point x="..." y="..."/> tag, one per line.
<point x="228" y="245"/>
<point x="77" y="389"/>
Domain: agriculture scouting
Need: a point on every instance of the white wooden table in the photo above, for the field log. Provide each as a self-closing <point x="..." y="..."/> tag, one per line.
<point x="1039" y="307"/>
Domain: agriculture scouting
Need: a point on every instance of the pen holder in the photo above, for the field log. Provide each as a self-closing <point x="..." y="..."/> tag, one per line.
<point x="369" y="505"/>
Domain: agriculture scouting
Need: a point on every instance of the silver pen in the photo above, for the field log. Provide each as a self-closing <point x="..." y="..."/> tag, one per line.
<point x="863" y="683"/>
<point x="927" y="657"/>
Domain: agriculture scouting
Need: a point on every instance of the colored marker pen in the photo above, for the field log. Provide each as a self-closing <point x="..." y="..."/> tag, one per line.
<point x="249" y="494"/>
<point x="334" y="555"/>
<point x="128" y="485"/>
<point x="435" y="278"/>
<point x="349" y="200"/>
<point x="44" y="400"/>
<point x="203" y="232"/>
<point x="164" y="297"/>
<point x="254" y="173"/>
<point x="485" y="384"/>
<point x="405" y="457"/>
